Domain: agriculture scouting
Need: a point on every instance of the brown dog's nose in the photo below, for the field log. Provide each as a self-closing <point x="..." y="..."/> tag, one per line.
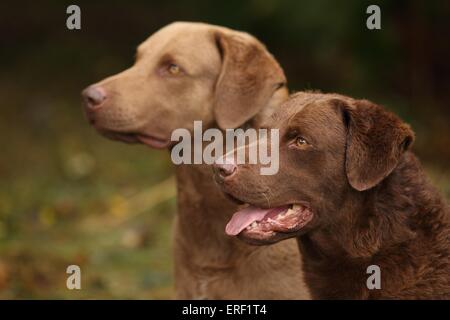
<point x="93" y="97"/>
<point x="225" y="170"/>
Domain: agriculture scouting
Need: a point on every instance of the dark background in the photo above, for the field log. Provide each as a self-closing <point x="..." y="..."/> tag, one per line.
<point x="69" y="196"/>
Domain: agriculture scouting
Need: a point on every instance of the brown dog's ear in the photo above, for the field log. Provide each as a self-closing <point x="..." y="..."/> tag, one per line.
<point x="376" y="139"/>
<point x="248" y="79"/>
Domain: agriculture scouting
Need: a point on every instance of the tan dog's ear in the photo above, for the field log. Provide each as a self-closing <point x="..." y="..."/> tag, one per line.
<point x="376" y="139"/>
<point x="248" y="79"/>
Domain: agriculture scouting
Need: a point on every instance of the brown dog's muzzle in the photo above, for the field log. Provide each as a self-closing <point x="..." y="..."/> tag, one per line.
<point x="224" y="171"/>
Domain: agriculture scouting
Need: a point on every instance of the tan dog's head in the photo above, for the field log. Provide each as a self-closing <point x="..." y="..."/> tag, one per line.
<point x="332" y="150"/>
<point x="186" y="72"/>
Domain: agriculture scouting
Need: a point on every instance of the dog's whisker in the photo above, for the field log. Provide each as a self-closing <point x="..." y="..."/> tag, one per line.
<point x="266" y="197"/>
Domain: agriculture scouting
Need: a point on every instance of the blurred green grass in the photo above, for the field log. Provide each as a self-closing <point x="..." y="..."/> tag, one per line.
<point x="69" y="196"/>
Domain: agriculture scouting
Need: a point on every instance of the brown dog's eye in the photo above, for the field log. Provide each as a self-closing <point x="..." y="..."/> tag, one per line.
<point x="174" y="69"/>
<point x="301" y="142"/>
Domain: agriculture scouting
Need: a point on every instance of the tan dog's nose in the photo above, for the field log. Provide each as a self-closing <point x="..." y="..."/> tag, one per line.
<point x="93" y="97"/>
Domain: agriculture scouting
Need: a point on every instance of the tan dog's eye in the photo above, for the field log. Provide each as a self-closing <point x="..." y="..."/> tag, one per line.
<point x="174" y="69"/>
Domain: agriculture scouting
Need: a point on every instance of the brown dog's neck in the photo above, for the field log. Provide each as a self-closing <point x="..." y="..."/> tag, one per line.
<point x="384" y="216"/>
<point x="379" y="226"/>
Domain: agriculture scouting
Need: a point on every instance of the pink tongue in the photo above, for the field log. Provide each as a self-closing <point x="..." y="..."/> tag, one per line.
<point x="243" y="218"/>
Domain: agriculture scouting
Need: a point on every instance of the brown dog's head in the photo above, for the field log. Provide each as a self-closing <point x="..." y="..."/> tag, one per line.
<point x="186" y="72"/>
<point x="331" y="148"/>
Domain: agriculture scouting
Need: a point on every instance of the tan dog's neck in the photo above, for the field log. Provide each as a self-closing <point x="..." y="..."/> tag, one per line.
<point x="202" y="216"/>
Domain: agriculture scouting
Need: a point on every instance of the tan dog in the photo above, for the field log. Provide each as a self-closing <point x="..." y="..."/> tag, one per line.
<point x="193" y="71"/>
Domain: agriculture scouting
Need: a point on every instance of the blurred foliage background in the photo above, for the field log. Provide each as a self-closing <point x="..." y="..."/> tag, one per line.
<point x="69" y="196"/>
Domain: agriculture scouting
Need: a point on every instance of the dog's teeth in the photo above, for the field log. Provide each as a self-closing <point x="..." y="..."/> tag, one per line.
<point x="253" y="225"/>
<point x="296" y="207"/>
<point x="289" y="212"/>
